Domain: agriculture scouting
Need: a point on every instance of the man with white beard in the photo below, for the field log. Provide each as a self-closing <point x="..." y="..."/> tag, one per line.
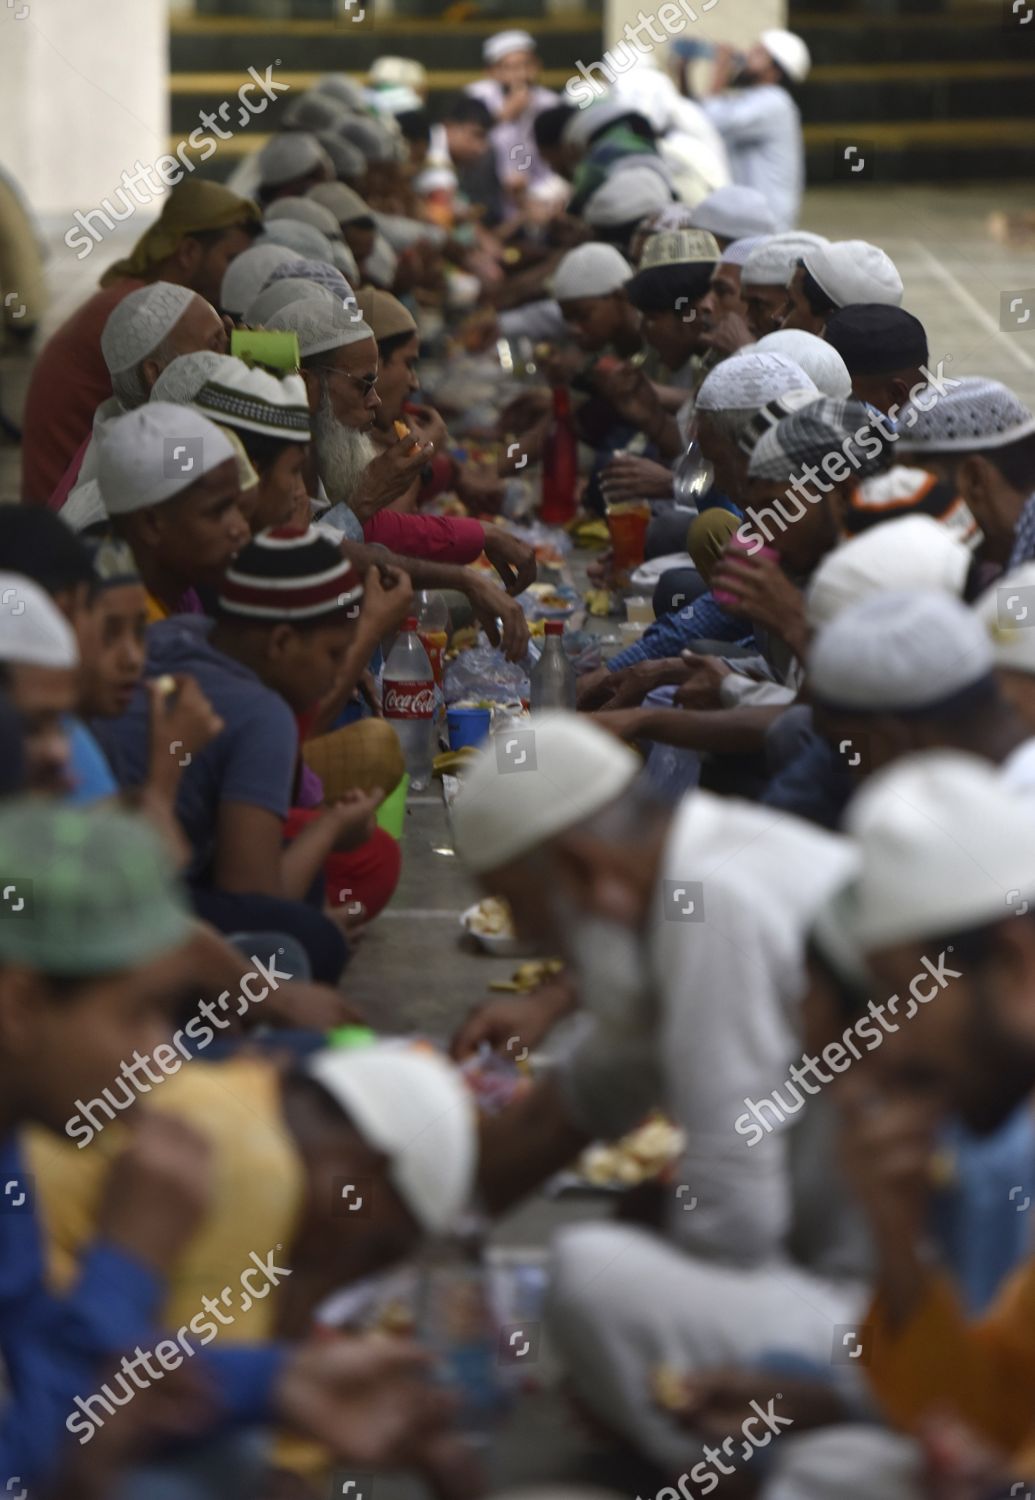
<point x="339" y="364"/>
<point x="684" y="932"/>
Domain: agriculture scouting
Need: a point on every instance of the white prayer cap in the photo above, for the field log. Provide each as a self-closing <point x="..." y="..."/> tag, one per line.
<point x="1007" y="613"/>
<point x="673" y="216"/>
<point x="343" y="204"/>
<point x="747" y="382"/>
<point x="898" y="650"/>
<point x="307" y="210"/>
<point x="775" y="260"/>
<point x="293" y="154"/>
<point x="851" y="271"/>
<point x="495" y="48"/>
<point x="320" y="327"/>
<point x="414" y="1107"/>
<point x="312" y="111"/>
<point x="399" y="100"/>
<point x="590" y="271"/>
<point x="398" y="72"/>
<point x="247" y="273"/>
<point x="532" y="784"/>
<point x="154" y="453"/>
<point x="33" y="631"/>
<point x="84" y="506"/>
<point x="944" y="845"/>
<point x="789" y="52"/>
<point x="274" y="298"/>
<point x="139" y="323"/>
<point x="341" y="87"/>
<point x="820" y="360"/>
<point x="914" y="552"/>
<point x="182" y="378"/>
<point x="585" y="123"/>
<point x="306" y="241"/>
<point x="736" y="253"/>
<point x="733" y="213"/>
<point x="969" y="416"/>
<point x="629" y="194"/>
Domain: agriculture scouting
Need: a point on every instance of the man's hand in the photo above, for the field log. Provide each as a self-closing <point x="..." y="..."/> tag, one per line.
<point x="702" y="686"/>
<point x="521" y="1019"/>
<point x="427" y="424"/>
<point x="627" y="477"/>
<point x="158" y="1189"/>
<point x="593" y="689"/>
<point x="718" y="1402"/>
<point x="630" y="393"/>
<point x="388" y="476"/>
<point x="310" y="1007"/>
<point x="493" y="608"/>
<point x="387" y="600"/>
<point x="767" y="596"/>
<point x="515" y="102"/>
<point x="632" y="684"/>
<point x="729" y="334"/>
<point x="368" y="1399"/>
<point x="181" y="723"/>
<point x="479" y="487"/>
<point x="513" y="559"/>
<point x="624" y="723"/>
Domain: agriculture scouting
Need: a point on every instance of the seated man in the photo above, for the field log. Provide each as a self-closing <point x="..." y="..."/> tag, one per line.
<point x="202" y="227"/>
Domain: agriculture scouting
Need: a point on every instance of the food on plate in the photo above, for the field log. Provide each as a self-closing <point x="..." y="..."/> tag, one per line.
<point x="529" y="976"/>
<point x="642" y="1154"/>
<point x="492" y="918"/>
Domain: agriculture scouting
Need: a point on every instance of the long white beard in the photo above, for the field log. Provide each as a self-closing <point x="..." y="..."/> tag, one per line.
<point x="342" y="453"/>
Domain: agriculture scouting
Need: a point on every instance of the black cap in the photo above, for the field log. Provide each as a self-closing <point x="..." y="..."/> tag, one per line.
<point x="875" y="339"/>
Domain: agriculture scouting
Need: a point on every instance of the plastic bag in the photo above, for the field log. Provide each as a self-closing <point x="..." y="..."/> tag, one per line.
<point x="484" y="672"/>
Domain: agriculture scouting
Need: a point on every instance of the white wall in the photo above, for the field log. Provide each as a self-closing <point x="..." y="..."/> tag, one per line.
<point x="736" y="21"/>
<point x="83" y="95"/>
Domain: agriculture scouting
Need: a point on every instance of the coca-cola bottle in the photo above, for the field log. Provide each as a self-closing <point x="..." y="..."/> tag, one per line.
<point x="433" y="630"/>
<point x="408" y="702"/>
<point x="560" y="463"/>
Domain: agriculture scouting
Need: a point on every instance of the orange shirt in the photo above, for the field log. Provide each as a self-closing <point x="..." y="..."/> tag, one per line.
<point x="69" y="381"/>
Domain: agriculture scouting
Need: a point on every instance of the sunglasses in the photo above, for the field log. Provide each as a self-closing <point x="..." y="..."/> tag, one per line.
<point x="365" y="383"/>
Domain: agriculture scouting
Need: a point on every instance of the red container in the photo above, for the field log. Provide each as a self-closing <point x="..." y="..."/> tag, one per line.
<point x="560" y="464"/>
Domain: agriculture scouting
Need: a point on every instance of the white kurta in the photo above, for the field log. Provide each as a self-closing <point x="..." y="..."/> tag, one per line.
<point x="761" y="128"/>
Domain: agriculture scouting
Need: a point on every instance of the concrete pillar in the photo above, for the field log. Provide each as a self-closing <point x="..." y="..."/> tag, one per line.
<point x="83" y="95"/>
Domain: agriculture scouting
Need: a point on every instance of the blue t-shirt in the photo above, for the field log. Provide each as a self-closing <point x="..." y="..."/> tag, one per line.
<point x="252" y="760"/>
<point x="92" y="780"/>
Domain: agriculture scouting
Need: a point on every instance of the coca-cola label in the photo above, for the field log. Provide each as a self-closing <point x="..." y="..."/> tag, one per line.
<point x="409" y="700"/>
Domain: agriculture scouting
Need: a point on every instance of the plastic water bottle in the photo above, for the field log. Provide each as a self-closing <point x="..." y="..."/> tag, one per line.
<point x="553" y="676"/>
<point x="408" y="701"/>
<point x="433" y="629"/>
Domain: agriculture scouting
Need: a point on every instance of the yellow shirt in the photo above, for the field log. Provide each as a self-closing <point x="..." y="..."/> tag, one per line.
<point x="257" y="1196"/>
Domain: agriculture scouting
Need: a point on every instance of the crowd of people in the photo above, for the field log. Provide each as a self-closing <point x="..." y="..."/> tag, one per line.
<point x="777" y="843"/>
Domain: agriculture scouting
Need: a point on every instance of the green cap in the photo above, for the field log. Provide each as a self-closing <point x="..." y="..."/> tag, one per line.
<point x="84" y="892"/>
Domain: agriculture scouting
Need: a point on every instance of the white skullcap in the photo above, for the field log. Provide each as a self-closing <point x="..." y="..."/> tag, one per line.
<point x="851" y="271"/>
<point x="414" y="1107"/>
<point x="734" y="213"/>
<point x="84" y="506"/>
<point x="976" y="414"/>
<point x="749" y="381"/>
<point x="154" y="453"/>
<point x="392" y="101"/>
<point x="247" y="274"/>
<point x="1007" y="614"/>
<point x="944" y="845"/>
<point x="775" y="260"/>
<point x="820" y="360"/>
<point x="281" y="294"/>
<point x="307" y="242"/>
<point x="494" y="48"/>
<point x="673" y="216"/>
<point x="343" y="204"/>
<point x="398" y="72"/>
<point x="139" y="323"/>
<point x="341" y="87"/>
<point x="630" y="194"/>
<point x="913" y="552"/>
<point x="532" y="784"/>
<point x="292" y="154"/>
<point x="33" y="631"/>
<point x="183" y="378"/>
<point x="320" y="327"/>
<point x="435" y="180"/>
<point x="590" y="271"/>
<point x="736" y="253"/>
<point x="789" y="52"/>
<point x="306" y="210"/>
<point x="585" y="123"/>
<point x="898" y="649"/>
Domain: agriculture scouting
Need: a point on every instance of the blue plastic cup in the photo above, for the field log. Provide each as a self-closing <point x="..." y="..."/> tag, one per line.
<point x="467" y="726"/>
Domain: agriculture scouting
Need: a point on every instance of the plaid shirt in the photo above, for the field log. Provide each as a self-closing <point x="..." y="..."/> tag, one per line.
<point x="704" y="620"/>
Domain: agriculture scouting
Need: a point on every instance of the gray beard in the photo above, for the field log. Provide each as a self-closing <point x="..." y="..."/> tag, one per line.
<point x="342" y="453"/>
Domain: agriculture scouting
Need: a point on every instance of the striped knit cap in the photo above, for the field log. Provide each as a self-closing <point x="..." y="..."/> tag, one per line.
<point x="289" y="574"/>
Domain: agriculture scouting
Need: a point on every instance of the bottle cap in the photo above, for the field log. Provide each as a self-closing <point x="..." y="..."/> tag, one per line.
<point x="555" y="627"/>
<point x="410" y="622"/>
